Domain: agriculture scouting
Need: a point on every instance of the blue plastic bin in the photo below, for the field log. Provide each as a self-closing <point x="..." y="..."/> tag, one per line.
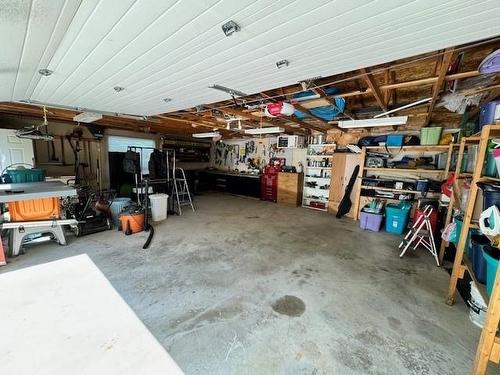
<point x="478" y="242"/>
<point x="396" y="217"/>
<point x="394" y="140"/>
<point x="487" y="113"/>
<point x="491" y="255"/>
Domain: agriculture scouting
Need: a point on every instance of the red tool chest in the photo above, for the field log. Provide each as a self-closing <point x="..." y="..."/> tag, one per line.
<point x="269" y="180"/>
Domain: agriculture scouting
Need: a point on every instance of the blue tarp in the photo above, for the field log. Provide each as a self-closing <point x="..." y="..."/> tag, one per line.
<point x="326" y="112"/>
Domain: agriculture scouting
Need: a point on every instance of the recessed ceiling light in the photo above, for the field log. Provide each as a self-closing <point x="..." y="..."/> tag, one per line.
<point x="282" y="64"/>
<point x="118" y="88"/>
<point x="45" y="72"/>
<point x="166" y="100"/>
<point x="230" y="27"/>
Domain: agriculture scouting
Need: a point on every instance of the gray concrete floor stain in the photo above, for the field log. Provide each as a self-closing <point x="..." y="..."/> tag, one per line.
<point x="289" y="305"/>
<point x="206" y="286"/>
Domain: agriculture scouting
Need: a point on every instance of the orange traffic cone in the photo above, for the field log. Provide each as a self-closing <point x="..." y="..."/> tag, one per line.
<point x="3" y="258"/>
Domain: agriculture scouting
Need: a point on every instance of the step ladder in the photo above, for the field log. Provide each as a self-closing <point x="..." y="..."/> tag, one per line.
<point x="421" y="234"/>
<point x="181" y="191"/>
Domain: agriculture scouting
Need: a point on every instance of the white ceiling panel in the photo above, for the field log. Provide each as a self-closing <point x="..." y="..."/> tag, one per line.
<point x="176" y="48"/>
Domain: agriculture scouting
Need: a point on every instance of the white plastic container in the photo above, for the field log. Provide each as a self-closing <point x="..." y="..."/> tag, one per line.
<point x="159" y="206"/>
<point x="477" y="307"/>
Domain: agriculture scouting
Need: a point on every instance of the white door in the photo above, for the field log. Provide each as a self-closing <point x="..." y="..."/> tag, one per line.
<point x="14" y="150"/>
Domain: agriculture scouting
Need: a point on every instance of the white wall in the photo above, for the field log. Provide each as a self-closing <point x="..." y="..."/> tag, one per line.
<point x="265" y="148"/>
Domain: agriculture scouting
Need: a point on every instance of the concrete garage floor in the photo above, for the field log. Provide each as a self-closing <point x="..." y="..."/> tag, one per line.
<point x="250" y="287"/>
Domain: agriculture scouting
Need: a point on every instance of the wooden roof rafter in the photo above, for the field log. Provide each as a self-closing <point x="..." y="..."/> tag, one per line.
<point x="446" y="60"/>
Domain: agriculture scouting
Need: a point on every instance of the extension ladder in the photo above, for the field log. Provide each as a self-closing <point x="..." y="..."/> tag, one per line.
<point x="421" y="234"/>
<point x="181" y="190"/>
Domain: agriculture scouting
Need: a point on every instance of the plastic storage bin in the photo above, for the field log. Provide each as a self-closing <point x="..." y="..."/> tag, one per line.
<point x="478" y="261"/>
<point x="116" y="208"/>
<point x="491" y="194"/>
<point x="489" y="113"/>
<point x="394" y="140"/>
<point x="430" y="136"/>
<point x="491" y="255"/>
<point x="396" y="217"/>
<point x="35" y="209"/>
<point x="17" y="176"/>
<point x="490" y="167"/>
<point x="159" y="206"/>
<point x="370" y="221"/>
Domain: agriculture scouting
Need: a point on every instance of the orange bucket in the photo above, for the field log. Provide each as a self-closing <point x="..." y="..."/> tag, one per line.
<point x="134" y="221"/>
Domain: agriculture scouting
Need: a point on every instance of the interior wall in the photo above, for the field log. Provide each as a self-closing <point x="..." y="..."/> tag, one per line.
<point x="64" y="165"/>
<point x="235" y="154"/>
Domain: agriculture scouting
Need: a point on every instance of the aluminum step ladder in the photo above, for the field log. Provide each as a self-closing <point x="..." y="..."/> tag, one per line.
<point x="421" y="234"/>
<point x="181" y="191"/>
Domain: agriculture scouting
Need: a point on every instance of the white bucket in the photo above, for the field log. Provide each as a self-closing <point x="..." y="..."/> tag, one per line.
<point x="159" y="206"/>
<point x="477" y="307"/>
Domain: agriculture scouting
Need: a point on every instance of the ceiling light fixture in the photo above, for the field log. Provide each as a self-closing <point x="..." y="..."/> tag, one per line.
<point x="45" y="72"/>
<point x="368" y="123"/>
<point x="230" y="27"/>
<point x="118" y="88"/>
<point x="270" y="130"/>
<point x="206" y="135"/>
<point x="87" y="117"/>
<point x="231" y="92"/>
<point x="403" y="107"/>
<point x="282" y="64"/>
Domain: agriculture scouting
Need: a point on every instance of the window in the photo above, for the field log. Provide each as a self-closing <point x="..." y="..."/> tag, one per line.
<point x="120" y="144"/>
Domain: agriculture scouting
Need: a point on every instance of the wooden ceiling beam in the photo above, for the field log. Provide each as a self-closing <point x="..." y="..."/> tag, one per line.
<point x="400" y="85"/>
<point x="446" y="59"/>
<point x="62" y="115"/>
<point x="375" y="90"/>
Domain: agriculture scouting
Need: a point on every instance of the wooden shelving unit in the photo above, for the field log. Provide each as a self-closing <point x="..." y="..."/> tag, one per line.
<point x="407" y="173"/>
<point x="489" y="344"/>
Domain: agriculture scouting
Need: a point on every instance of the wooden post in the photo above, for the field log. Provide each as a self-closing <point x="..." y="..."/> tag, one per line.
<point x="360" y="176"/>
<point x="444" y="244"/>
<point x="489" y="331"/>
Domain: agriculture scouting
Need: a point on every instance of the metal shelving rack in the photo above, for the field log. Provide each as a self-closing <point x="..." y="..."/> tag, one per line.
<point x="322" y="175"/>
<point x="489" y="344"/>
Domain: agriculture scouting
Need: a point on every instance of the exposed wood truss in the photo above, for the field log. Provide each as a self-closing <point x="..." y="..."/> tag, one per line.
<point x="443" y="69"/>
<point x="374" y="89"/>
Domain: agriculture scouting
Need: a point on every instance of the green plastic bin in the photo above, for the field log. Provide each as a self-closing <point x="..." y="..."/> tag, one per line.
<point x="491" y="256"/>
<point x="18" y="176"/>
<point x="430" y="136"/>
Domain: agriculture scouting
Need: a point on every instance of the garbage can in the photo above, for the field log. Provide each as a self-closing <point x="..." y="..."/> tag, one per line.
<point x="116" y="208"/>
<point x="396" y="217"/>
<point x="159" y="205"/>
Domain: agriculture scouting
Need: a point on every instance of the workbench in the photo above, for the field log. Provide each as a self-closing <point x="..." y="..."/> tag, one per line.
<point x="35" y="190"/>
